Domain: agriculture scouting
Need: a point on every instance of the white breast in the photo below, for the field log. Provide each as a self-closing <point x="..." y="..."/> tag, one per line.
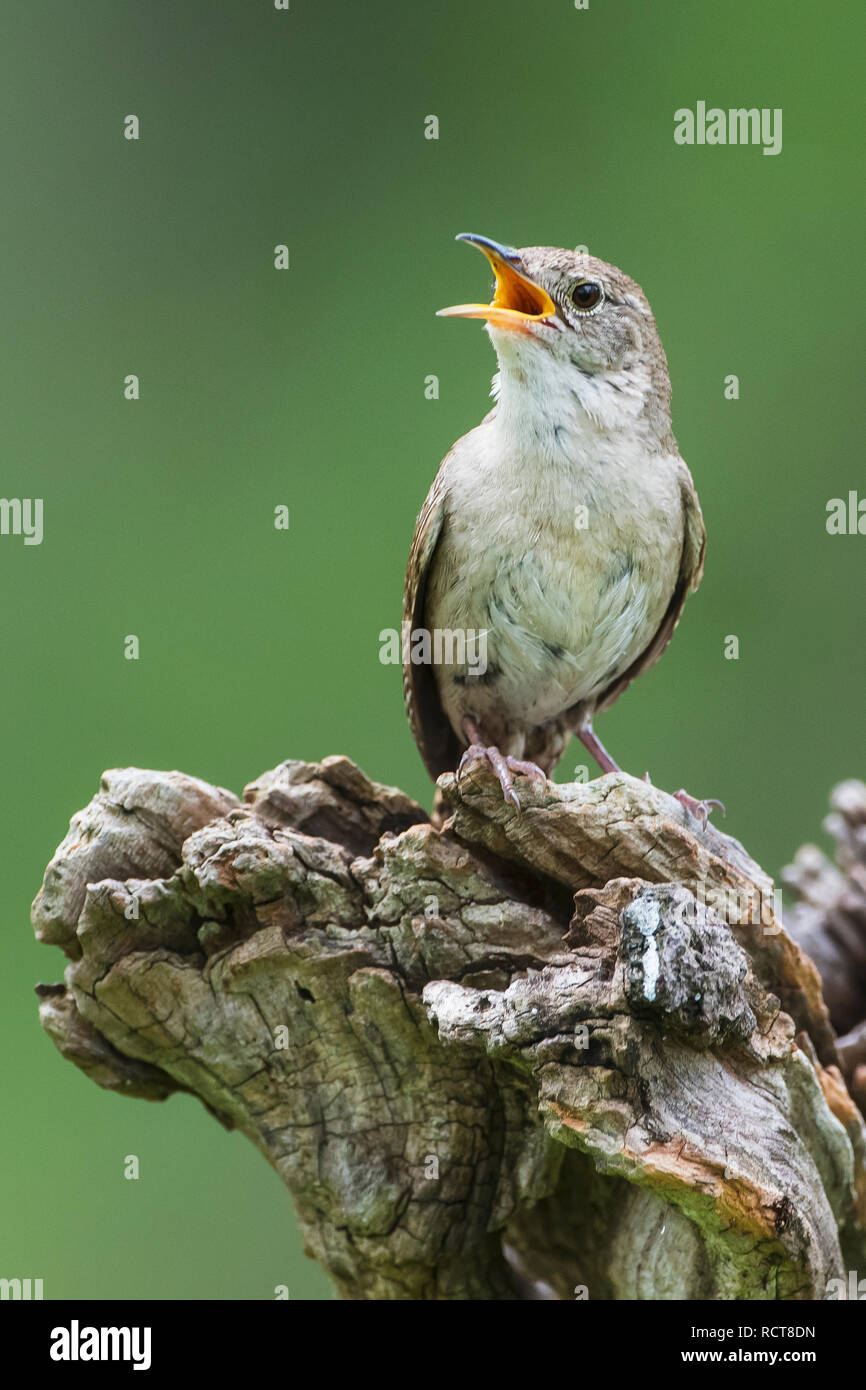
<point x="564" y="546"/>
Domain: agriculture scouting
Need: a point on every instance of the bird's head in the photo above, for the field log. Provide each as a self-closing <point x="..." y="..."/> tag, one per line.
<point x="565" y="323"/>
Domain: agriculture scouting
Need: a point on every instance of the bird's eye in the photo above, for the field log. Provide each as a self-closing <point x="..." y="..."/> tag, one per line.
<point x="586" y="295"/>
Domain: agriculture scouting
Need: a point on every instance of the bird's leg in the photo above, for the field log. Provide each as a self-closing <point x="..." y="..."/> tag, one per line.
<point x="593" y="744"/>
<point x="503" y="764"/>
<point x="699" y="809"/>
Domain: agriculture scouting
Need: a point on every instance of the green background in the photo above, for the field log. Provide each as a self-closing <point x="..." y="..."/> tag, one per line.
<point x="306" y="388"/>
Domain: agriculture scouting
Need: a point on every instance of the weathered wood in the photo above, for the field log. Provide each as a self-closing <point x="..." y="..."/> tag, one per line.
<point x="828" y="919"/>
<point x="520" y="1056"/>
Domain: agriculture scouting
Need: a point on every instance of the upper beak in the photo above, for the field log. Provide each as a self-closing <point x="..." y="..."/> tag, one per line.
<point x="517" y="302"/>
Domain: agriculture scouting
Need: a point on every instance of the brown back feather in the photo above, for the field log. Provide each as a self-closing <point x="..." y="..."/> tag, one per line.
<point x="437" y="743"/>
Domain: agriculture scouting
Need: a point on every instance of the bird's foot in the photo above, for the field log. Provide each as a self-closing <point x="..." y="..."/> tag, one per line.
<point x="503" y="765"/>
<point x="699" y="809"/>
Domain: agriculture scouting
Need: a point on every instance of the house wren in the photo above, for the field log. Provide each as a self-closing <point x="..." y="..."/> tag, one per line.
<point x="565" y="528"/>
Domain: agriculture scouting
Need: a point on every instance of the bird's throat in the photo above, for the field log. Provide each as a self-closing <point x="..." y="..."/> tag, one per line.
<point x="549" y="399"/>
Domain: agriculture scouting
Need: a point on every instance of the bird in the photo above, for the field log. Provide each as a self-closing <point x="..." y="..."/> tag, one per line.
<point x="563" y="533"/>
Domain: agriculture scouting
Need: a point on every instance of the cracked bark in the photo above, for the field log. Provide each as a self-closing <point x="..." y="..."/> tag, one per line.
<point x="572" y="1052"/>
<point x="828" y="919"/>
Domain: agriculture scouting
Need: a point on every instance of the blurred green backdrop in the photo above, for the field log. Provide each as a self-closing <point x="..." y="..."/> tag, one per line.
<point x="306" y="388"/>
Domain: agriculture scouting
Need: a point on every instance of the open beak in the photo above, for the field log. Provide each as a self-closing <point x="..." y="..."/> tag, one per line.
<point x="518" y="301"/>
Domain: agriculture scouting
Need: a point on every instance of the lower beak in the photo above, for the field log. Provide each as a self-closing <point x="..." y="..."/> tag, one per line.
<point x="518" y="301"/>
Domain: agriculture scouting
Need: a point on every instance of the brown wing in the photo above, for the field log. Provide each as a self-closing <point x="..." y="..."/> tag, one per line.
<point x="436" y="740"/>
<point x="691" y="571"/>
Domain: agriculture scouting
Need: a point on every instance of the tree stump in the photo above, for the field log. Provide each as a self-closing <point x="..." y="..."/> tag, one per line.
<point x="570" y="1052"/>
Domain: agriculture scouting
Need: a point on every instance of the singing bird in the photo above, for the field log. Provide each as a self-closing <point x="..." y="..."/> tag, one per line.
<point x="565" y="527"/>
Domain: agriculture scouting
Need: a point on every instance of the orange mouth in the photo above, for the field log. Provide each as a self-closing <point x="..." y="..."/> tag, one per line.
<point x="517" y="303"/>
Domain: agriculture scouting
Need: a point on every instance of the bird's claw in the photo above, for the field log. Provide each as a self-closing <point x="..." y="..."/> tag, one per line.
<point x="503" y="765"/>
<point x="525" y="769"/>
<point x="699" y="809"/>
